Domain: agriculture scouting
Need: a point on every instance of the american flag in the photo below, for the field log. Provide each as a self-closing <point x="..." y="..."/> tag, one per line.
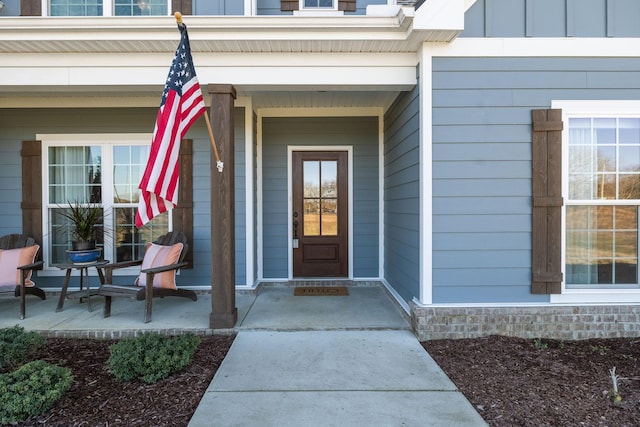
<point x="182" y="103"/>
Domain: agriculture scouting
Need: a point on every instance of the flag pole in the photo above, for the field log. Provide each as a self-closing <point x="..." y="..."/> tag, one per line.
<point x="219" y="163"/>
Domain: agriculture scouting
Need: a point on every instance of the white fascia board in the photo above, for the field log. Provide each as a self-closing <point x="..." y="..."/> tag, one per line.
<point x="348" y="78"/>
<point x="210" y="59"/>
<point x="468" y="4"/>
<point x="331" y="70"/>
<point x="440" y="15"/>
<point x="203" y="28"/>
<point x="537" y="47"/>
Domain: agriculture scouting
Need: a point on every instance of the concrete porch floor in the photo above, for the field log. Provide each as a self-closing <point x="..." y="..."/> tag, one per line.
<point x="272" y="307"/>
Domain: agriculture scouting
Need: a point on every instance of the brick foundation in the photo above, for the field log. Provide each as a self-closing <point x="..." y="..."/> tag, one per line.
<point x="549" y="321"/>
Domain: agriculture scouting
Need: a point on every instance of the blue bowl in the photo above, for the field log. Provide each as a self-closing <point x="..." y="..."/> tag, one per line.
<point x="84" y="257"/>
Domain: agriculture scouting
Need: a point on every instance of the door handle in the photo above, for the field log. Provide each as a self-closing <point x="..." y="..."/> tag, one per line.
<point x="295" y="231"/>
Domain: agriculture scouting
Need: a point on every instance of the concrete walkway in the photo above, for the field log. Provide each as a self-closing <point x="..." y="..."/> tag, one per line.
<point x="296" y="361"/>
<point x="330" y="361"/>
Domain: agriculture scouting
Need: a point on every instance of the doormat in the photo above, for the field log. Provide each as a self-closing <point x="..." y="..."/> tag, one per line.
<point x="308" y="291"/>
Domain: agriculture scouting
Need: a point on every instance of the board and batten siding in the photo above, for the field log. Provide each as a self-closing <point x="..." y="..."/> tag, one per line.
<point x="553" y="18"/>
<point x="402" y="195"/>
<point x="482" y="164"/>
<point x="359" y="132"/>
<point x="17" y="125"/>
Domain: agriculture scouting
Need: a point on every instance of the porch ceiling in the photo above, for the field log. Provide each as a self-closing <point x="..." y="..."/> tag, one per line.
<point x="218" y="34"/>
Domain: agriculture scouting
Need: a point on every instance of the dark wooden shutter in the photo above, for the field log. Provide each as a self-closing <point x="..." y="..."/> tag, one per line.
<point x="289" y="5"/>
<point x="547" y="202"/>
<point x="183" y="212"/>
<point x="31" y="153"/>
<point x="183" y="6"/>
<point x="347" y="5"/>
<point x="30" y="8"/>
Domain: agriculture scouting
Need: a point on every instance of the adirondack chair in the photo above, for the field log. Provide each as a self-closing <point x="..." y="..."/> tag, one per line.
<point x="17" y="263"/>
<point x="162" y="259"/>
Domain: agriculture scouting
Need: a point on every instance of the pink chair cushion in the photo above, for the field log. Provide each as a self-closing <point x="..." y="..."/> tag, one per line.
<point x="158" y="256"/>
<point x="11" y="259"/>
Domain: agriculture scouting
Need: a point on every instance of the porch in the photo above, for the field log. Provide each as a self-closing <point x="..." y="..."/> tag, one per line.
<point x="270" y="307"/>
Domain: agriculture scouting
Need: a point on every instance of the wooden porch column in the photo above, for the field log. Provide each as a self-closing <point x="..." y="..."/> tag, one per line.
<point x="224" y="313"/>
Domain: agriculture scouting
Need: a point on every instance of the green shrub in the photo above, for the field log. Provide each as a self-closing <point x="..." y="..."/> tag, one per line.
<point x="16" y="345"/>
<point x="151" y="356"/>
<point x="31" y="390"/>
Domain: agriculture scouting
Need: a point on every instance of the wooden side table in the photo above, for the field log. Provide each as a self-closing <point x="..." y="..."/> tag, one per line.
<point x="84" y="273"/>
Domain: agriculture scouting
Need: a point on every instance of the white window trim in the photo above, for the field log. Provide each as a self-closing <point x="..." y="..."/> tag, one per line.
<point x="590" y="108"/>
<point x="318" y="11"/>
<point x="49" y="140"/>
<point x="107" y="7"/>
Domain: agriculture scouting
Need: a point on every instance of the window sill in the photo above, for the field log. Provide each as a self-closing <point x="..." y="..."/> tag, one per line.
<point x="597" y="296"/>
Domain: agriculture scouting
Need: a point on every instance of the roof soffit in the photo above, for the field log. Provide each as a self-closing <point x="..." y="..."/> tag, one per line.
<point x="237" y="34"/>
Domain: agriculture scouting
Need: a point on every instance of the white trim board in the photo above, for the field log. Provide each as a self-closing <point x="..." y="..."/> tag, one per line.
<point x="537" y="47"/>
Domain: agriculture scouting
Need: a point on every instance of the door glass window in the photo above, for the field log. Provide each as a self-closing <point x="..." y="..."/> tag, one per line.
<point x="320" y="197"/>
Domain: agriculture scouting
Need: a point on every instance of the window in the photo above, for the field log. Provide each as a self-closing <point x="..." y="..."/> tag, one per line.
<point x="317" y="4"/>
<point x="108" y="7"/>
<point x="102" y="170"/>
<point x="602" y="176"/>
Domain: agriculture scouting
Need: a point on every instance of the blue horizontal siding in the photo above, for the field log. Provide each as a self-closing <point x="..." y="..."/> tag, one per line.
<point x="482" y="164"/>
<point x="487" y="294"/>
<point x="497" y="224"/>
<point x="481" y="241"/>
<point x="361" y="133"/>
<point x="486" y="187"/>
<point x="402" y="195"/>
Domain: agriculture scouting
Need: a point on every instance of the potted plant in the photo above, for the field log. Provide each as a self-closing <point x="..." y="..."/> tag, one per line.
<point x="84" y="226"/>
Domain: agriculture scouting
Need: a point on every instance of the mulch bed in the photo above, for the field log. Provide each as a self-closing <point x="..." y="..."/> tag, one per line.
<point x="510" y="381"/>
<point x="97" y="399"/>
<point x="524" y="382"/>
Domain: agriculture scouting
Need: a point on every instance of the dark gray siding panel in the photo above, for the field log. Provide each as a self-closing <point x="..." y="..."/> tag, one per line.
<point x="21" y="124"/>
<point x="11" y="8"/>
<point x="240" y="197"/>
<point x="553" y="18"/>
<point x="546" y="18"/>
<point x="255" y="197"/>
<point x="482" y="164"/>
<point x="623" y="17"/>
<point x="505" y="18"/>
<point x="218" y="7"/>
<point x="269" y="7"/>
<point x="402" y="195"/>
<point x="586" y="18"/>
<point x="359" y="132"/>
<point x="10" y="181"/>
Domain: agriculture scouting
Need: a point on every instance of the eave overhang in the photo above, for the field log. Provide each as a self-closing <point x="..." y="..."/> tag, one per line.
<point x="405" y="31"/>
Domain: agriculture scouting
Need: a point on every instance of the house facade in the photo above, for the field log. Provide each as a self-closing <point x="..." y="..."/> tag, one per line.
<point x="477" y="158"/>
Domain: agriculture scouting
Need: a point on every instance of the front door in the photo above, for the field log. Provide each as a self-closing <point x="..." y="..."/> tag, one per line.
<point x="320" y="214"/>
